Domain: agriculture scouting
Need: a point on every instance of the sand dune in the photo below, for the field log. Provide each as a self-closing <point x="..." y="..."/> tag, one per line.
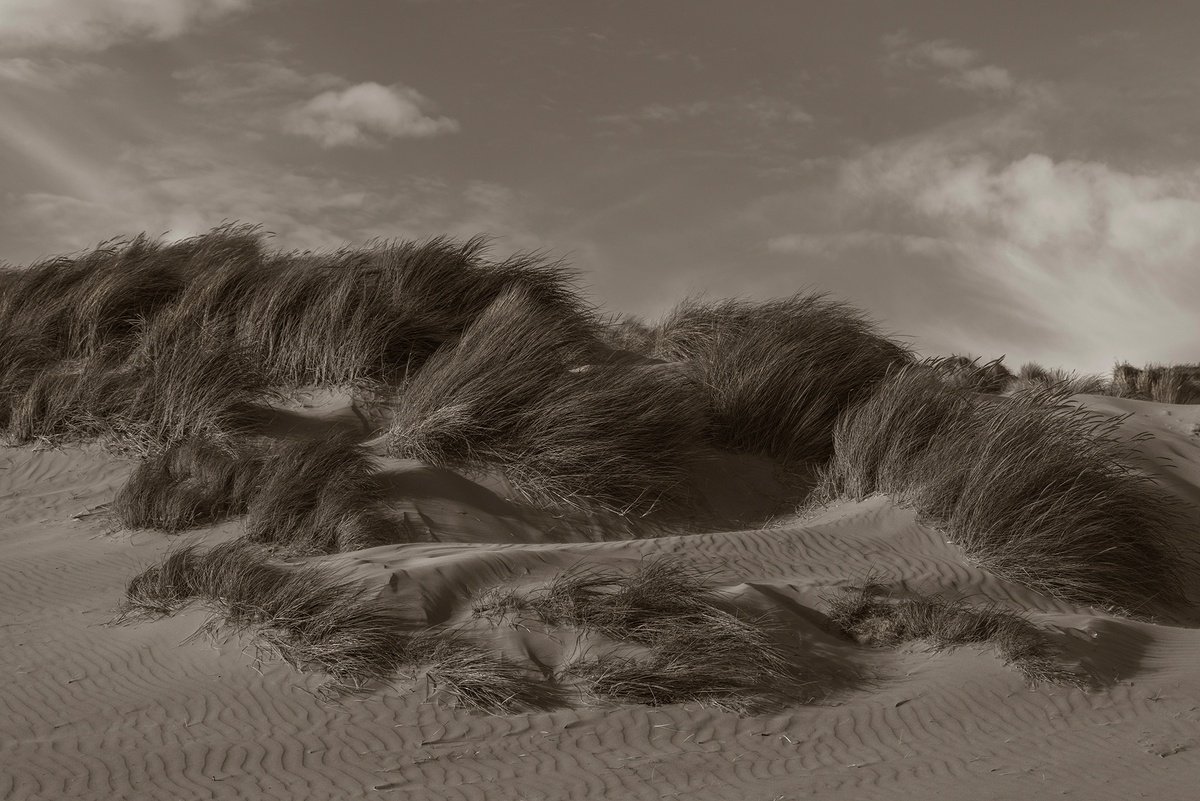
<point x="89" y="710"/>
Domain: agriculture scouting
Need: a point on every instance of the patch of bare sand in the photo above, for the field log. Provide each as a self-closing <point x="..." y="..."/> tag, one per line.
<point x="92" y="711"/>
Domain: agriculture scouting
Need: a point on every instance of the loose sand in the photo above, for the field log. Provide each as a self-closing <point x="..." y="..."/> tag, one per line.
<point x="89" y="710"/>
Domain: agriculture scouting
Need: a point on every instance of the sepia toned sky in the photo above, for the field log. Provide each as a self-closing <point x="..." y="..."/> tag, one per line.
<point x="1018" y="178"/>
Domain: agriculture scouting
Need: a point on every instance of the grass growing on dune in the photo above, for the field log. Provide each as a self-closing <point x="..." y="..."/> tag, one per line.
<point x="689" y="648"/>
<point x="870" y="615"/>
<point x="472" y="394"/>
<point x="191" y="483"/>
<point x="1039" y="491"/>
<point x="320" y="496"/>
<point x="1033" y="377"/>
<point x="514" y="393"/>
<point x="1177" y="383"/>
<point x="314" y="619"/>
<point x="180" y="391"/>
<point x="964" y="372"/>
<point x="621" y="437"/>
<point x="309" y="616"/>
<point x="778" y="373"/>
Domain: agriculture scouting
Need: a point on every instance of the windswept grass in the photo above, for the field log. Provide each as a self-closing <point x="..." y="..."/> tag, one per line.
<point x="1033" y="377"/>
<point x="689" y="648"/>
<point x="515" y="393"/>
<point x="316" y="620"/>
<point x="310" y="617"/>
<point x="179" y="392"/>
<point x="870" y="615"/>
<point x="620" y="437"/>
<point x="473" y="393"/>
<point x="965" y="372"/>
<point x="1036" y="490"/>
<point x="779" y="373"/>
<point x="320" y="496"/>
<point x="191" y="483"/>
<point x="1178" y="383"/>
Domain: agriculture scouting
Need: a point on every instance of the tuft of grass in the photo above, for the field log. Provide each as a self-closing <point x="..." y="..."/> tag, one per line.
<point x="476" y="678"/>
<point x="1177" y="383"/>
<point x="1033" y="377"/>
<point x="625" y="438"/>
<point x="1033" y="488"/>
<point x="779" y="373"/>
<point x="965" y="372"/>
<point x="692" y="650"/>
<point x="179" y="391"/>
<point x="315" y="620"/>
<point x="191" y="483"/>
<point x="472" y="394"/>
<point x="515" y="392"/>
<point x="869" y="614"/>
<point x="630" y="333"/>
<point x="320" y="496"/>
<point x="309" y="616"/>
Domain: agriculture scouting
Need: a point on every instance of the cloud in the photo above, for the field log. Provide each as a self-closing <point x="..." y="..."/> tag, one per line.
<point x="958" y="66"/>
<point x="365" y="114"/>
<point x="185" y="189"/>
<point x="1075" y="261"/>
<point x="92" y="25"/>
<point x="251" y="83"/>
<point x="46" y="73"/>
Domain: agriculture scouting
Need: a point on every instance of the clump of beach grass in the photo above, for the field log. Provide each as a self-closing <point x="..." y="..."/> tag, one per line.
<point x="778" y="373"/>
<point x="320" y="496"/>
<point x="309" y="616"/>
<point x="870" y="614"/>
<point x="191" y="483"/>
<point x="1035" y="489"/>
<point x="687" y="646"/>
<point x="1177" y="383"/>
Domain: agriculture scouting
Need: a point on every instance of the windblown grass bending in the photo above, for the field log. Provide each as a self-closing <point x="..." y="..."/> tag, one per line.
<point x="1033" y="377"/>
<point x="870" y="615"/>
<point x="316" y="620"/>
<point x="1177" y="383"/>
<point x="779" y="373"/>
<point x="320" y="496"/>
<point x="1037" y="490"/>
<point x="308" y="616"/>
<point x="192" y="483"/>
<point x="181" y="391"/>
<point x="472" y="394"/>
<point x="688" y="648"/>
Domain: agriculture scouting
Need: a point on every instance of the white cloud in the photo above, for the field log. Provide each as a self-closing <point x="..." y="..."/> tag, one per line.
<point x="365" y="114"/>
<point x="91" y="25"/>
<point x="1105" y="257"/>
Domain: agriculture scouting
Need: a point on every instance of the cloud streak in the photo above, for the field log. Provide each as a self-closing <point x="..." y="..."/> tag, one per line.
<point x="94" y="25"/>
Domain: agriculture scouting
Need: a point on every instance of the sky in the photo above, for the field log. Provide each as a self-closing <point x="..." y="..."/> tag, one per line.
<point x="995" y="178"/>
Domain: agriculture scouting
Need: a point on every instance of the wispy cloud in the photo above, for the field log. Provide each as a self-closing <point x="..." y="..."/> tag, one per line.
<point x="955" y="65"/>
<point x="92" y="25"/>
<point x="760" y="110"/>
<point x="47" y="73"/>
<point x="183" y="189"/>
<point x="366" y="114"/>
